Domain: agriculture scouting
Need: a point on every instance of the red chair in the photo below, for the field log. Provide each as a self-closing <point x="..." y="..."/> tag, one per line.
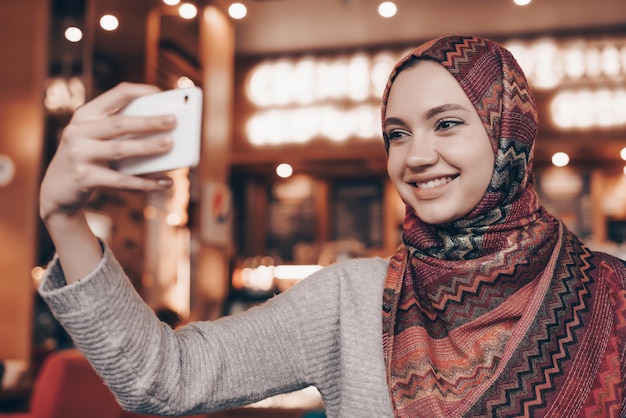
<point x="68" y="387"/>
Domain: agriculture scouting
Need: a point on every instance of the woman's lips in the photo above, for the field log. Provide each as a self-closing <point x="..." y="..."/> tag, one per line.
<point x="434" y="183"/>
<point x="432" y="188"/>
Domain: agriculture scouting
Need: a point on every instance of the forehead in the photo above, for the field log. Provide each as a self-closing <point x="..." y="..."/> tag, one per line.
<point x="424" y="83"/>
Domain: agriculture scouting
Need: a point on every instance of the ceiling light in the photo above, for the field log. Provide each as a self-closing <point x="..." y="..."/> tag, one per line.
<point x="284" y="170"/>
<point x="387" y="9"/>
<point x="171" y="2"/>
<point x="73" y="34"/>
<point x="109" y="22"/>
<point x="187" y="11"/>
<point x="522" y="2"/>
<point x="237" y="10"/>
<point x="560" y="159"/>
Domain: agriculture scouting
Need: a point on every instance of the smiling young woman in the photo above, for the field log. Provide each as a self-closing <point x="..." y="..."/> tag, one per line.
<point x="490" y="307"/>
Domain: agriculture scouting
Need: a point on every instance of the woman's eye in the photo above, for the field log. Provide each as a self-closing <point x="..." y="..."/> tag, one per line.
<point x="447" y="124"/>
<point x="395" y="134"/>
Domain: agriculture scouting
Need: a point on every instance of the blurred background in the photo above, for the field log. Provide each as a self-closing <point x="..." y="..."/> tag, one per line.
<point x="292" y="172"/>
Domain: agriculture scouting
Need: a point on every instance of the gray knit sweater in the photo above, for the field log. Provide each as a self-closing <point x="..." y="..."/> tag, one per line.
<point x="326" y="331"/>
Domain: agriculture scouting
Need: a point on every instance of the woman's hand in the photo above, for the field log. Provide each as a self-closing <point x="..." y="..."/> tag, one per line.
<point x="86" y="150"/>
<point x="82" y="163"/>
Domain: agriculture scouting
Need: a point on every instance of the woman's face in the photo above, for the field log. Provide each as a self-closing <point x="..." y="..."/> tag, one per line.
<point x="440" y="158"/>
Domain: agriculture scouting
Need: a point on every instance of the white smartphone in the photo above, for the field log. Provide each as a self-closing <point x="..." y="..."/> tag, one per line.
<point x="186" y="105"/>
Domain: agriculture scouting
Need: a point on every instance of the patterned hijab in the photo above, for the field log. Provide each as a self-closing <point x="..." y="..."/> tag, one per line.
<point x="489" y="315"/>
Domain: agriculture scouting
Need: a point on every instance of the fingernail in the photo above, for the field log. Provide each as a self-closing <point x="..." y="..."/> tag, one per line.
<point x="168" y="120"/>
<point x="165" y="182"/>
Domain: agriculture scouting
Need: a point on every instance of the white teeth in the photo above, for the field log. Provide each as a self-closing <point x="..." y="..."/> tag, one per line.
<point x="434" y="183"/>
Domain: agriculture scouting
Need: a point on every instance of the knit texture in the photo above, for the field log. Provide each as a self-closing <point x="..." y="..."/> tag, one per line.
<point x="313" y="334"/>
<point x="503" y="312"/>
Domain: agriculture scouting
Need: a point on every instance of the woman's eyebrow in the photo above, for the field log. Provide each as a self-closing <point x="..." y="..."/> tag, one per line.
<point x="394" y="121"/>
<point x="443" y="108"/>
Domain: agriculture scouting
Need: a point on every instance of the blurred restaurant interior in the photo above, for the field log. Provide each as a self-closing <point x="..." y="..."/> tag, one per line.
<point x="292" y="174"/>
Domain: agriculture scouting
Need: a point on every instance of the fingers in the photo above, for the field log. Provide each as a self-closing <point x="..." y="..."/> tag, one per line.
<point x="114" y="99"/>
<point x="99" y="118"/>
<point x="90" y="150"/>
<point x="100" y="176"/>
<point x="92" y="143"/>
<point x="89" y="145"/>
<point x="108" y="127"/>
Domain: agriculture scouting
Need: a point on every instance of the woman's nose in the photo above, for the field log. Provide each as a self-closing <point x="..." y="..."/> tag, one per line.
<point x="422" y="152"/>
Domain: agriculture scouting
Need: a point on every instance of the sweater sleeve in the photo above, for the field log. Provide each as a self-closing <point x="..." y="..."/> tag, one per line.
<point x="286" y="344"/>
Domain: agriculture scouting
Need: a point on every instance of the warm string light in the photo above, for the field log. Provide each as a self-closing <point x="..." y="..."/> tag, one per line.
<point x="545" y="63"/>
<point x="284" y="170"/>
<point x="73" y="34"/>
<point x="560" y="159"/>
<point x="187" y="11"/>
<point x="548" y="63"/>
<point x="586" y="67"/>
<point x="237" y="11"/>
<point x="589" y="108"/>
<point x="300" y="99"/>
<point x="387" y="9"/>
<point x="109" y="22"/>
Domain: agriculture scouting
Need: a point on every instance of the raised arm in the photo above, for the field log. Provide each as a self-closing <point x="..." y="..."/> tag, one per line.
<point x="150" y="368"/>
<point x="82" y="164"/>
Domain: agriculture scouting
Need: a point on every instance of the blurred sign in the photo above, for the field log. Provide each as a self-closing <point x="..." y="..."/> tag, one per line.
<point x="217" y="214"/>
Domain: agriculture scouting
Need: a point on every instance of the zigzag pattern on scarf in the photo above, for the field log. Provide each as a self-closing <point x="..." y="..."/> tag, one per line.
<point x="472" y="354"/>
<point x="610" y="386"/>
<point x="454" y="299"/>
<point x="542" y="355"/>
<point x="558" y="350"/>
<point x="512" y="160"/>
<point x="456" y="55"/>
<point x="571" y="339"/>
<point x="507" y="182"/>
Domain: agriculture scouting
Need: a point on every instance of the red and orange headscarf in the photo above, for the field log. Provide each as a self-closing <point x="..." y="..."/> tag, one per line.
<point x="491" y="314"/>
